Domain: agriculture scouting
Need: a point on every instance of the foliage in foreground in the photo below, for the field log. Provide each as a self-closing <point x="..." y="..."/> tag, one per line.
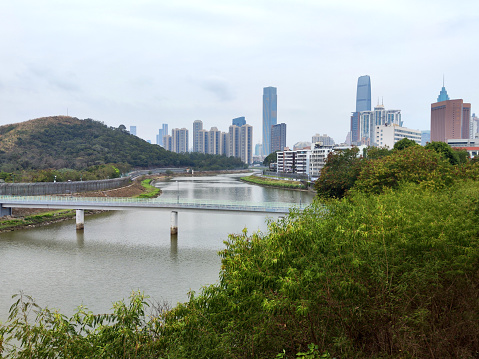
<point x="393" y="274"/>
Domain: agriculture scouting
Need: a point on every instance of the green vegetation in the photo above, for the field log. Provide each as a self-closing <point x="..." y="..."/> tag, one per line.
<point x="271" y="158"/>
<point x="69" y="143"/>
<point x="390" y="270"/>
<point x="12" y="223"/>
<point x="273" y="182"/>
<point x="151" y="191"/>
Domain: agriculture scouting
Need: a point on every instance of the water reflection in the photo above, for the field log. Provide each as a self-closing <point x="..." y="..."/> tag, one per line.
<point x="130" y="250"/>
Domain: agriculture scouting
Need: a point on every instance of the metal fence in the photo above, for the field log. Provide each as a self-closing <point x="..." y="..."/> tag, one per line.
<point x="46" y="188"/>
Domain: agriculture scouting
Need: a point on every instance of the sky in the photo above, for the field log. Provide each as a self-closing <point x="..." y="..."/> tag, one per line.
<point x="149" y="62"/>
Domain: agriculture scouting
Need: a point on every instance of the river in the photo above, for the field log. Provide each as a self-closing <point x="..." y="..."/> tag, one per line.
<point x="122" y="251"/>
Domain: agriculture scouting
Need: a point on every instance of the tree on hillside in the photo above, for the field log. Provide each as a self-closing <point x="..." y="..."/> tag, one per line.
<point x="339" y="173"/>
<point x="404" y="143"/>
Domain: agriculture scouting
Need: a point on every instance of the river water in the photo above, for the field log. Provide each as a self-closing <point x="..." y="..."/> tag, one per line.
<point x="123" y="251"/>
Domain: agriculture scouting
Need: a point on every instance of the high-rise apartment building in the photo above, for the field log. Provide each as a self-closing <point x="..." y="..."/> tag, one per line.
<point x="278" y="137"/>
<point x="324" y="139"/>
<point x="234" y="141"/>
<point x="246" y="143"/>
<point x="449" y="118"/>
<point x="214" y="142"/>
<point x="197" y="127"/>
<point x="179" y="140"/>
<point x="473" y="126"/>
<point x="270" y="109"/>
<point x="363" y="103"/>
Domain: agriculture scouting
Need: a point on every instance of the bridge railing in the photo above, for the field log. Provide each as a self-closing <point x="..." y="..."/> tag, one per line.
<point x="150" y="202"/>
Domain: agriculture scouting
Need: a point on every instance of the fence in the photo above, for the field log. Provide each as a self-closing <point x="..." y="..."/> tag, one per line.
<point x="45" y="188"/>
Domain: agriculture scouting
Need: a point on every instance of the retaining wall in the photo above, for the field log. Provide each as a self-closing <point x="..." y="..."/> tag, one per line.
<point x="46" y="188"/>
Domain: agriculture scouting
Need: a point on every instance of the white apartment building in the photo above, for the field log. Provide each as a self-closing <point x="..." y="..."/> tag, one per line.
<point x="293" y="161"/>
<point x="388" y="135"/>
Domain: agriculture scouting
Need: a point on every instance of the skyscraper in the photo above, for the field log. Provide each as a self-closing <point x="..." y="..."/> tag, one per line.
<point x="270" y="104"/>
<point x="133" y="130"/>
<point x="278" y="137"/>
<point x="163" y="131"/>
<point x="239" y="121"/>
<point x="449" y="118"/>
<point x="363" y="103"/>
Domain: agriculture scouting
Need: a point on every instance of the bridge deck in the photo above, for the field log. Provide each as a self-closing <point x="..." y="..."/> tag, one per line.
<point x="120" y="203"/>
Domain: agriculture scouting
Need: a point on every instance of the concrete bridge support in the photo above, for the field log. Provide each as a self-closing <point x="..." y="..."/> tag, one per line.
<point x="174" y="223"/>
<point x="5" y="211"/>
<point x="80" y="217"/>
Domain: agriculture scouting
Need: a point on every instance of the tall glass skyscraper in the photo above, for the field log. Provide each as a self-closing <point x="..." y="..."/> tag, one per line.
<point x="270" y="104"/>
<point x="363" y="103"/>
<point x="363" y="94"/>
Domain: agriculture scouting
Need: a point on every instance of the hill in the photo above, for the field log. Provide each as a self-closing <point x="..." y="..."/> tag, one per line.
<point x="67" y="142"/>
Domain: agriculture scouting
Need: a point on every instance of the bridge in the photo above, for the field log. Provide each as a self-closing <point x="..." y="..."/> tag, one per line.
<point x="80" y="204"/>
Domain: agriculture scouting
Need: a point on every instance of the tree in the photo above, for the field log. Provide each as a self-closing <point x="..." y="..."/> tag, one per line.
<point x="339" y="173"/>
<point x="271" y="158"/>
<point x="404" y="143"/>
<point x="444" y="150"/>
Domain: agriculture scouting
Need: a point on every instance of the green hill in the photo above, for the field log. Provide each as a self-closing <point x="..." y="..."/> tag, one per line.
<point x="67" y="142"/>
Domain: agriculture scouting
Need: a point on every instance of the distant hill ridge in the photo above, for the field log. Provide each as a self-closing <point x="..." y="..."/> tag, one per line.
<point x="68" y="142"/>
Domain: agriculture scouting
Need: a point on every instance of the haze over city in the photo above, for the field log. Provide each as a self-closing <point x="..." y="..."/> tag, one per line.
<point x="152" y="62"/>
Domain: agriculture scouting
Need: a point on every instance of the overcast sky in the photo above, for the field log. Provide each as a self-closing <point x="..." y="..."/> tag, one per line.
<point x="148" y="62"/>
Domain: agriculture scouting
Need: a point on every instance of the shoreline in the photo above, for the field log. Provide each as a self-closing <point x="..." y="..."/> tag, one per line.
<point x="26" y="218"/>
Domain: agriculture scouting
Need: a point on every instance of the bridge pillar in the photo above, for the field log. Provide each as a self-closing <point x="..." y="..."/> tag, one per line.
<point x="5" y="211"/>
<point x="80" y="217"/>
<point x="174" y="223"/>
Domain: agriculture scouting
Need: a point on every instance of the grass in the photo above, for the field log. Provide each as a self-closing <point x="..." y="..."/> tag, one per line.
<point x="273" y="182"/>
<point x="151" y="191"/>
<point x="13" y="223"/>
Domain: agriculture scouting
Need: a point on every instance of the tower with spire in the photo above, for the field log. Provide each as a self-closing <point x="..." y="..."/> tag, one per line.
<point x="449" y="118"/>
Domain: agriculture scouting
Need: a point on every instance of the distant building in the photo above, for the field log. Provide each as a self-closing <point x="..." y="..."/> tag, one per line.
<point x="293" y="161"/>
<point x="215" y="142"/>
<point x="168" y="143"/>
<point x="302" y="145"/>
<point x="270" y="109"/>
<point x="388" y="135"/>
<point x="363" y="103"/>
<point x="450" y="119"/>
<point x="324" y="139"/>
<point x="474" y="126"/>
<point x="197" y="127"/>
<point x="133" y="130"/>
<point x="257" y="149"/>
<point x="179" y="140"/>
<point x="278" y="137"/>
<point x="239" y="121"/>
<point x="246" y="143"/>
<point x="425" y="137"/>
<point x="163" y="131"/>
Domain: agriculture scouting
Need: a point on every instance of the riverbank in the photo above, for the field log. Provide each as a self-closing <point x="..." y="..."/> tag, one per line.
<point x="22" y="218"/>
<point x="273" y="182"/>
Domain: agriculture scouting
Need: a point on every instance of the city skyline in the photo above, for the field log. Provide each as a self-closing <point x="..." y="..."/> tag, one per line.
<point x="102" y="64"/>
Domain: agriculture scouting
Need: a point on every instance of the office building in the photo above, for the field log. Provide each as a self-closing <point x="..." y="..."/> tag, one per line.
<point x="450" y="119"/>
<point x="163" y="131"/>
<point x="197" y="127"/>
<point x="388" y="135"/>
<point x="270" y="104"/>
<point x="278" y="137"/>
<point x="133" y="130"/>
<point x="425" y="137"/>
<point x="239" y="121"/>
<point x="363" y="103"/>
<point x="258" y="149"/>
<point x="179" y="140"/>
